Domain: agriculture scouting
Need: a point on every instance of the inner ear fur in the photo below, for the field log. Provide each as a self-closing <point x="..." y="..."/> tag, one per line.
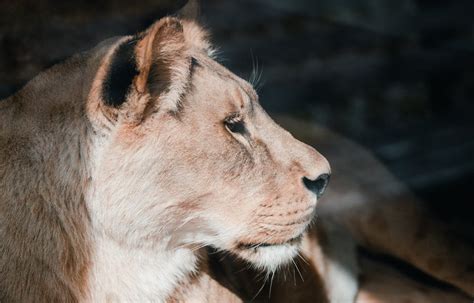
<point x="146" y="66"/>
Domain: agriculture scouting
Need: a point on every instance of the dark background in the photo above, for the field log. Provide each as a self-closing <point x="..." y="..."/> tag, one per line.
<point x="395" y="76"/>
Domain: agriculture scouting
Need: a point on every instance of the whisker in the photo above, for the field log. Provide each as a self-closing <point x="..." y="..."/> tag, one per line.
<point x="299" y="272"/>
<point x="218" y="55"/>
<point x="294" y="276"/>
<point x="256" y="74"/>
<point x="261" y="288"/>
<point x="302" y="257"/>
<point x="271" y="284"/>
<point x="266" y="240"/>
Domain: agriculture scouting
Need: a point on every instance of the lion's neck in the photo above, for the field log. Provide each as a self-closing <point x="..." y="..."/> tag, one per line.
<point x="123" y="274"/>
<point x="44" y="222"/>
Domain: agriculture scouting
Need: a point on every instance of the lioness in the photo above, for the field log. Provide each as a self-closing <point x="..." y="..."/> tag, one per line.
<point x="119" y="165"/>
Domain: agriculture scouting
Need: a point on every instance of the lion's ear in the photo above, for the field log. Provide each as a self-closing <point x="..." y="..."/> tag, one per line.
<point x="145" y="64"/>
<point x="190" y="11"/>
<point x="159" y="51"/>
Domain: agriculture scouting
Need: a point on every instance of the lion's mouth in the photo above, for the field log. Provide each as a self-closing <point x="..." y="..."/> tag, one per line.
<point x="247" y="246"/>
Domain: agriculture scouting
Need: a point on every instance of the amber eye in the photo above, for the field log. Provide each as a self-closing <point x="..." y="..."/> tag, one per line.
<point x="235" y="125"/>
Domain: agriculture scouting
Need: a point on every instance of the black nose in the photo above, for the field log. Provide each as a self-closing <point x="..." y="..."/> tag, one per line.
<point x="317" y="186"/>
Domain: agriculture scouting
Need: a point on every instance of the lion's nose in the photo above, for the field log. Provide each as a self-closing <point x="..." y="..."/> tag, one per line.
<point x="318" y="185"/>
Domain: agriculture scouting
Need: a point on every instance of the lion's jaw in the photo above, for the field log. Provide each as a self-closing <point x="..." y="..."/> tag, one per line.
<point x="192" y="160"/>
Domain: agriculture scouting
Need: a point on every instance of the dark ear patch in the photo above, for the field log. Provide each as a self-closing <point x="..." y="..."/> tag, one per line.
<point x="122" y="70"/>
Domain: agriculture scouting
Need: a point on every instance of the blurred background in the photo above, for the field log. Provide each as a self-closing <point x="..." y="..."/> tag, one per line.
<point x="394" y="76"/>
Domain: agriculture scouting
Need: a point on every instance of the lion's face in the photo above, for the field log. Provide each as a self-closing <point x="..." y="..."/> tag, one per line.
<point x="211" y="168"/>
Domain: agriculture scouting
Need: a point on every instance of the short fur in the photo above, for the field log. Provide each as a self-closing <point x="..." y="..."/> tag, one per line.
<point x="119" y="165"/>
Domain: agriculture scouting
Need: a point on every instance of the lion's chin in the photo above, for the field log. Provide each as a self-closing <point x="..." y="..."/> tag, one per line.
<point x="270" y="257"/>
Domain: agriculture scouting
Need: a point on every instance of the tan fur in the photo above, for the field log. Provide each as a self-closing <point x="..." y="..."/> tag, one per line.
<point x="44" y="229"/>
<point x="90" y="193"/>
<point x="400" y="228"/>
<point x="102" y="203"/>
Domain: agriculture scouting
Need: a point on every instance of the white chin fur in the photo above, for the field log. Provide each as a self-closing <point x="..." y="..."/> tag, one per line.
<point x="269" y="258"/>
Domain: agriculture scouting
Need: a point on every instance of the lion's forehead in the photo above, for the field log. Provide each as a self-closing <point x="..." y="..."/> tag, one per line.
<point x="216" y="81"/>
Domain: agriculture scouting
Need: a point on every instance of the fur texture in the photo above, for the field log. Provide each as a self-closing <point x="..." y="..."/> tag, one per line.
<point x="118" y="165"/>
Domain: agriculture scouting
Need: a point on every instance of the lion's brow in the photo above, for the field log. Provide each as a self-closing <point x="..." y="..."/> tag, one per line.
<point x="244" y="96"/>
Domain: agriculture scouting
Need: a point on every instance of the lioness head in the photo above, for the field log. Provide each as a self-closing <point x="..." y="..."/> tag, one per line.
<point x="185" y="156"/>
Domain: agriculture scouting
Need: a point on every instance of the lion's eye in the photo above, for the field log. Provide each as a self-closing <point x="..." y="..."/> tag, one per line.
<point x="235" y="125"/>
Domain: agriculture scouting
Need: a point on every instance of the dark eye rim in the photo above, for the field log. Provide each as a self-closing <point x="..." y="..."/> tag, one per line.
<point x="235" y="124"/>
